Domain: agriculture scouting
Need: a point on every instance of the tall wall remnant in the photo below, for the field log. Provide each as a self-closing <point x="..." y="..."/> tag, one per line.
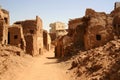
<point x="116" y="19"/>
<point x="46" y="40"/>
<point x="4" y="23"/>
<point x="33" y="33"/>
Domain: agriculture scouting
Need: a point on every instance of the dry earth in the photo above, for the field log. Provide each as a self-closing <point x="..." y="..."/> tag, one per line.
<point x="101" y="63"/>
<point x="44" y="67"/>
<point x="15" y="65"/>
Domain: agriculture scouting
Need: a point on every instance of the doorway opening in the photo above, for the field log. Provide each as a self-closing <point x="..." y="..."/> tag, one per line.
<point x="8" y="37"/>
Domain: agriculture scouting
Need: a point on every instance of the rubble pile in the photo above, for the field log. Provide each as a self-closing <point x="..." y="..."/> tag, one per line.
<point x="12" y="61"/>
<point x="102" y="63"/>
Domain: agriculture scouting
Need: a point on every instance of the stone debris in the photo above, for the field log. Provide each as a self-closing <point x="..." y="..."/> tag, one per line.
<point x="101" y="63"/>
<point x="12" y="62"/>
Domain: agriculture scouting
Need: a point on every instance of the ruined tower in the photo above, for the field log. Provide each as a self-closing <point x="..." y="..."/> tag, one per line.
<point x="4" y="23"/>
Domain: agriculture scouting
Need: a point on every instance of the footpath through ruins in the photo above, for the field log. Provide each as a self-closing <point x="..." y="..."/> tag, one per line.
<point x="44" y="67"/>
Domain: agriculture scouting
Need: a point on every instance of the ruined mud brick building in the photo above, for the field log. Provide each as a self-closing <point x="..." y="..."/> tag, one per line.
<point x="4" y="23"/>
<point x="116" y="19"/>
<point x="92" y="30"/>
<point x="117" y="5"/>
<point x="28" y="34"/>
<point x="46" y="40"/>
<point x="16" y="37"/>
<point x="33" y="34"/>
<point x="57" y="29"/>
<point x="98" y="30"/>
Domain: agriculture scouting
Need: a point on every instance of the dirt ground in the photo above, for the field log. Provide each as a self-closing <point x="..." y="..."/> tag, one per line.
<point x="16" y="65"/>
<point x="101" y="63"/>
<point x="44" y="67"/>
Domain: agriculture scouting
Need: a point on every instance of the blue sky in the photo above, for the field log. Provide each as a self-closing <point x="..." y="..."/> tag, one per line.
<point x="53" y="10"/>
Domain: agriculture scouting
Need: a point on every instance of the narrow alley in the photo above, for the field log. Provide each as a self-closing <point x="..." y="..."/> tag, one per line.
<point x="44" y="67"/>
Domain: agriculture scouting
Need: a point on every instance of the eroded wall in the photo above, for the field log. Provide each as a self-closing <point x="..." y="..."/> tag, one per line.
<point x="4" y="23"/>
<point x="46" y="40"/>
<point x="33" y="33"/>
<point x="99" y="29"/>
<point x="116" y="21"/>
<point x="72" y="24"/>
<point x="39" y="34"/>
<point x="16" y="37"/>
<point x="90" y="31"/>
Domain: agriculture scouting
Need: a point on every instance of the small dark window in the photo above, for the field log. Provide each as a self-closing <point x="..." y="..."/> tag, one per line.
<point x="15" y="36"/>
<point x="119" y="25"/>
<point x="98" y="37"/>
<point x="6" y="20"/>
<point x="31" y="31"/>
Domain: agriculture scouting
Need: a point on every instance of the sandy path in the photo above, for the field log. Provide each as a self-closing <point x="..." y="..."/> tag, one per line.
<point x="44" y="67"/>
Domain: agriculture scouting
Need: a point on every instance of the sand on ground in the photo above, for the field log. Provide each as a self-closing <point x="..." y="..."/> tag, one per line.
<point x="44" y="67"/>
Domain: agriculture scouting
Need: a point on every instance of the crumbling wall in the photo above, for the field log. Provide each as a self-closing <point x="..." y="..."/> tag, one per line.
<point x="33" y="33"/>
<point x="28" y="26"/>
<point x="16" y="37"/>
<point x="78" y="37"/>
<point x="99" y="29"/>
<point x="59" y="50"/>
<point x="90" y="31"/>
<point x="4" y="23"/>
<point x="46" y="40"/>
<point x="29" y="30"/>
<point x="53" y="36"/>
<point x="116" y="21"/>
<point x="29" y="44"/>
<point x="1" y="30"/>
<point x="72" y="24"/>
<point x="39" y="36"/>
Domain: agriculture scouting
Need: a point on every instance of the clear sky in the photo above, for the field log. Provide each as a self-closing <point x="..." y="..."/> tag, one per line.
<point x="53" y="10"/>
